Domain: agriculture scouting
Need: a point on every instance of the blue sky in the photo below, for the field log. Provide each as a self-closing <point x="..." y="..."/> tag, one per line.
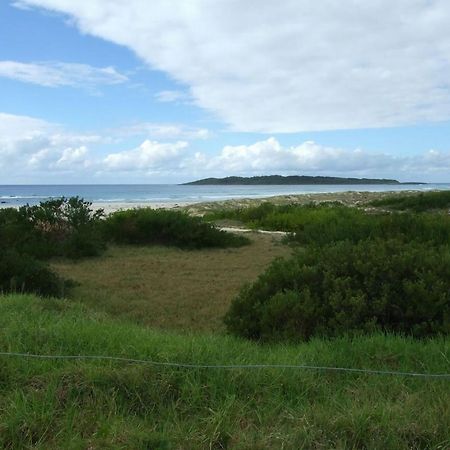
<point x="104" y="92"/>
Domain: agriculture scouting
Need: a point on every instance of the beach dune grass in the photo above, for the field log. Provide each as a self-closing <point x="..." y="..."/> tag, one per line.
<point x="53" y="404"/>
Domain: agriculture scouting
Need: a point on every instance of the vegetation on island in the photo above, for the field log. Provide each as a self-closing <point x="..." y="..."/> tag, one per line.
<point x="292" y="180"/>
<point x="357" y="288"/>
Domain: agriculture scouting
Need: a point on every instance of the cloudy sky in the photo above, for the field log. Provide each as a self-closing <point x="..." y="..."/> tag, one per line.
<point x="133" y="91"/>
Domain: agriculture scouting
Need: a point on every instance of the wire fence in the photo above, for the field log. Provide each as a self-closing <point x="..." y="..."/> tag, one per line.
<point x="226" y="366"/>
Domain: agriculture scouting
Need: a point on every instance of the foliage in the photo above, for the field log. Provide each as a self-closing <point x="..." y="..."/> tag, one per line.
<point x="62" y="215"/>
<point x="419" y="202"/>
<point x="325" y="224"/>
<point x="64" y="227"/>
<point x="60" y="227"/>
<point x="59" y="404"/>
<point x="23" y="273"/>
<point x="16" y="232"/>
<point x="165" y="227"/>
<point x="68" y="227"/>
<point x="344" y="288"/>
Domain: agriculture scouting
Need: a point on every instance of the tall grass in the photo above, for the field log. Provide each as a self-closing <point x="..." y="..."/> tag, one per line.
<point x="49" y="404"/>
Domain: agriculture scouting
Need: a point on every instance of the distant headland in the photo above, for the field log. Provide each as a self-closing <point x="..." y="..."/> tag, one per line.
<point x="293" y="179"/>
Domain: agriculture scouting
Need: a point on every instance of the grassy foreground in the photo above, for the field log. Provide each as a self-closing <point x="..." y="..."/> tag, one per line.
<point x="48" y="404"/>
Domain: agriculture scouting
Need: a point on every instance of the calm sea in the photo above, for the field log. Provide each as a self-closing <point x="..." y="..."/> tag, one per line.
<point x="14" y="195"/>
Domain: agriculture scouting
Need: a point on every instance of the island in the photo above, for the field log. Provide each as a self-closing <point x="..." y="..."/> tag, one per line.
<point x="293" y="179"/>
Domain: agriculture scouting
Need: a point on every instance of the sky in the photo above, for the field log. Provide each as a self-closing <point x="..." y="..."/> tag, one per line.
<point x="169" y="91"/>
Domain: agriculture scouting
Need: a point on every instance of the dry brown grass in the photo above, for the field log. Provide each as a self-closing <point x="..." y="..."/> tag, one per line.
<point x="167" y="287"/>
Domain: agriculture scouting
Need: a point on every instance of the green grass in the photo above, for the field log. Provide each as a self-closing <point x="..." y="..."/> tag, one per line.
<point x="104" y="405"/>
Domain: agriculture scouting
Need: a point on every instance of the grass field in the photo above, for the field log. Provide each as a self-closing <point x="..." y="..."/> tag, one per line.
<point x="46" y="404"/>
<point x="170" y="288"/>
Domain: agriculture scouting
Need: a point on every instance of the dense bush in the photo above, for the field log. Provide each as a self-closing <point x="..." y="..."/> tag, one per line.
<point x="60" y="227"/>
<point x="325" y="224"/>
<point x="65" y="227"/>
<point x="16" y="232"/>
<point x="421" y="202"/>
<point x="159" y="226"/>
<point x="23" y="273"/>
<point x="348" y="288"/>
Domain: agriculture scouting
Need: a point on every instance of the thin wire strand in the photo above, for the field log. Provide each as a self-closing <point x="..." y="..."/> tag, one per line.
<point x="227" y="366"/>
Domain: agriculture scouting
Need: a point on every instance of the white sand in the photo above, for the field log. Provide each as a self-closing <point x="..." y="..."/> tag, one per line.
<point x="110" y="207"/>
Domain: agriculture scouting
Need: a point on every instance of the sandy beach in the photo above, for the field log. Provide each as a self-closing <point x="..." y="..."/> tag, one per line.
<point x="110" y="207"/>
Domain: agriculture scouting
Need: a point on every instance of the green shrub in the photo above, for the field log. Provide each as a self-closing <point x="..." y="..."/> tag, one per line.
<point x="22" y="273"/>
<point x="325" y="224"/>
<point x="15" y="230"/>
<point x="159" y="226"/>
<point x="345" y="288"/>
<point x="420" y="202"/>
<point x="60" y="227"/>
<point x="60" y="216"/>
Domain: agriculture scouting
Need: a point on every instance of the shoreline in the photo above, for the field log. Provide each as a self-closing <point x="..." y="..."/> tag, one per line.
<point x="349" y="198"/>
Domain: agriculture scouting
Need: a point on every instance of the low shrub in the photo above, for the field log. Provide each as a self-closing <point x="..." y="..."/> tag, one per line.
<point x="165" y="227"/>
<point x="423" y="201"/>
<point x="345" y="288"/>
<point x="325" y="224"/>
<point x="22" y="273"/>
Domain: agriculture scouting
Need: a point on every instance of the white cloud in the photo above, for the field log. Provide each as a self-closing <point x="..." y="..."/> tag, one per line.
<point x="32" y="148"/>
<point x="57" y="74"/>
<point x="14" y="127"/>
<point x="162" y="131"/>
<point x="289" y="66"/>
<point x="28" y="144"/>
<point x="150" y="155"/>
<point x="172" y="96"/>
<point x="269" y="157"/>
<point x="73" y="158"/>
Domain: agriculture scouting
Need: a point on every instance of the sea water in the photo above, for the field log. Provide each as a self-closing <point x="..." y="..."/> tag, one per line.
<point x="16" y="195"/>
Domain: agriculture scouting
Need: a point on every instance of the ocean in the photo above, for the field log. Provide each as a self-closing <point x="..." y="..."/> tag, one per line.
<point x="17" y="195"/>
